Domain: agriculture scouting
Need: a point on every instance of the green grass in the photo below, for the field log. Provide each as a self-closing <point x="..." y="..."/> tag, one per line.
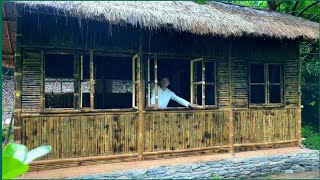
<point x="312" y="138"/>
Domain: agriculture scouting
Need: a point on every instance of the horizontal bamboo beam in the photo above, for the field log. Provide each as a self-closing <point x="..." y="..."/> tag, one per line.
<point x="260" y="144"/>
<point x="24" y="115"/>
<point x="184" y="110"/>
<point x="186" y="150"/>
<point x="131" y="110"/>
<point x="95" y="158"/>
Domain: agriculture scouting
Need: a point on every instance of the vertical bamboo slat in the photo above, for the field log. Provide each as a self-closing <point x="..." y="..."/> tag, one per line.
<point x="18" y="82"/>
<point x="231" y="128"/>
<point x="156" y="82"/>
<point x="140" y="99"/>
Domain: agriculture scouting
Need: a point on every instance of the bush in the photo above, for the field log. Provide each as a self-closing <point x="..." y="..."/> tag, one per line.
<point x="312" y="138"/>
<point x="16" y="157"/>
<point x="5" y="129"/>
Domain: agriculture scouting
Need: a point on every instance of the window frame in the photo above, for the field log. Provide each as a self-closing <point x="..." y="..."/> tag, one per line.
<point x="267" y="84"/>
<point x="134" y="57"/>
<point x="203" y="83"/>
<point x="78" y="55"/>
<point x="43" y="80"/>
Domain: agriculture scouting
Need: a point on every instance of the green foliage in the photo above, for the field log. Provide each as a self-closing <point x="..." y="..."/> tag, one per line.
<point x="310" y="74"/>
<point x="286" y="7"/>
<point x="216" y="176"/>
<point x="15" y="159"/>
<point x="12" y="168"/>
<point x="201" y="1"/>
<point x="5" y="129"/>
<point x="312" y="138"/>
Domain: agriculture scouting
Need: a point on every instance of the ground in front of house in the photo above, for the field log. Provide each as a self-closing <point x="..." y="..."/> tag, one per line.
<point x="196" y="162"/>
<point x="301" y="175"/>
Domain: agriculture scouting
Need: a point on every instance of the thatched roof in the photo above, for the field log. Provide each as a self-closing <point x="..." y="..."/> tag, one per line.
<point x="213" y="18"/>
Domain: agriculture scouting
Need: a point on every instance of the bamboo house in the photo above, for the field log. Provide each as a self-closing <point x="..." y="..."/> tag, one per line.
<point x="84" y="73"/>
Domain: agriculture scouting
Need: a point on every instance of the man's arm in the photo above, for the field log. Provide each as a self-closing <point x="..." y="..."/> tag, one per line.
<point x="152" y="100"/>
<point x="179" y="100"/>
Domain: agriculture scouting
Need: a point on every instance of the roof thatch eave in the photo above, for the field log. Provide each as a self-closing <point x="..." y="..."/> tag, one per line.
<point x="217" y="19"/>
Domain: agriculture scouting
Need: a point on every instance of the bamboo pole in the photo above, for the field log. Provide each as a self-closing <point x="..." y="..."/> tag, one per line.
<point x="93" y="158"/>
<point x="191" y="83"/>
<point x="186" y="150"/>
<point x="231" y="128"/>
<point x="134" y="82"/>
<point x="299" y="101"/>
<point x="18" y="82"/>
<point x="42" y="85"/>
<point x="91" y="81"/>
<point x="77" y="84"/>
<point x="140" y="79"/>
<point x="203" y="84"/>
<point x="149" y="85"/>
<point x="266" y="143"/>
<point x="81" y="80"/>
<point x="156" y="82"/>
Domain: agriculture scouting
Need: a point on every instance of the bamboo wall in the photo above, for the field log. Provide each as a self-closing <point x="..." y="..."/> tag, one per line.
<point x="185" y="130"/>
<point x="82" y="135"/>
<point x="264" y="126"/>
<point x="88" y="135"/>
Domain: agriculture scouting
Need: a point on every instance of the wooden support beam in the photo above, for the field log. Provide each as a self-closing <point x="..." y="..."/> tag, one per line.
<point x="18" y="83"/>
<point x="231" y="128"/>
<point x="140" y="80"/>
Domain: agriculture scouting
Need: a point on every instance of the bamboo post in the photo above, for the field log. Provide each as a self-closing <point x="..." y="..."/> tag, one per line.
<point x="203" y="84"/>
<point x="134" y="81"/>
<point x="299" y="100"/>
<point x="91" y="81"/>
<point x="81" y="80"/>
<point x="149" y="85"/>
<point x="140" y="99"/>
<point x="18" y="83"/>
<point x="42" y="85"/>
<point x="231" y="128"/>
<point x="156" y="82"/>
<point x="191" y="83"/>
<point x="76" y="76"/>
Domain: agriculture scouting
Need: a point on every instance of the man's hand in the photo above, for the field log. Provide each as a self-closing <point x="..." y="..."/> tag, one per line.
<point x="193" y="105"/>
<point x="152" y="106"/>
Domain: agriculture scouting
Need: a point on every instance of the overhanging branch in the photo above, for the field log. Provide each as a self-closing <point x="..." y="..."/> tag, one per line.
<point x="306" y="8"/>
<point x="293" y="11"/>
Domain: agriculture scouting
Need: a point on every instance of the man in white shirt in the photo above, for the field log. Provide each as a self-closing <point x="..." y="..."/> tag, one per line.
<point x="165" y="94"/>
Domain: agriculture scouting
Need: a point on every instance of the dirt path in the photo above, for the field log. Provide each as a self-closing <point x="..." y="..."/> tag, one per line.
<point x="123" y="166"/>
